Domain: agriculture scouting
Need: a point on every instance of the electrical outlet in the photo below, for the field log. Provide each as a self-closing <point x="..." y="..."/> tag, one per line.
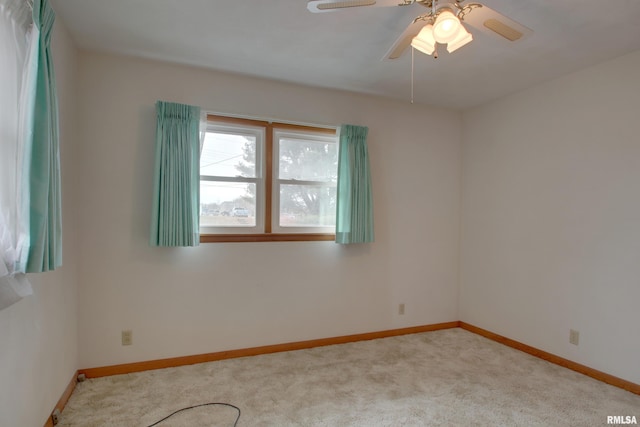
<point x="401" y="309"/>
<point x="127" y="337"/>
<point x="574" y="337"/>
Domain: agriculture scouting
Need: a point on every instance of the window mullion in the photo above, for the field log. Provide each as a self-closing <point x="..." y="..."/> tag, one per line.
<point x="310" y="183"/>
<point x="268" y="179"/>
<point x="228" y="179"/>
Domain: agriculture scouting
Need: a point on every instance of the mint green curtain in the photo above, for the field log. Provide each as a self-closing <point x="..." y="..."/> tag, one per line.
<point x="45" y="252"/>
<point x="354" y="220"/>
<point x="175" y="217"/>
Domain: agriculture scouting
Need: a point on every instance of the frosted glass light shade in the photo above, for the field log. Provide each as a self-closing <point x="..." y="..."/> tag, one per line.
<point x="446" y="27"/>
<point x="463" y="37"/>
<point x="424" y="41"/>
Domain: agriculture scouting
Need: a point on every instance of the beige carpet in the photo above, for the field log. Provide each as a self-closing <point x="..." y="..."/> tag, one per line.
<point x="443" y="378"/>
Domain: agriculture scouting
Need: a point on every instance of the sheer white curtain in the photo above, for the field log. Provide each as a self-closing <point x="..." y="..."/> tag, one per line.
<point x="18" y="50"/>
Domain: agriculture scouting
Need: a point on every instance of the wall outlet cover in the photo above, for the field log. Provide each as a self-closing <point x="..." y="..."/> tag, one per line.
<point x="127" y="337"/>
<point x="574" y="337"/>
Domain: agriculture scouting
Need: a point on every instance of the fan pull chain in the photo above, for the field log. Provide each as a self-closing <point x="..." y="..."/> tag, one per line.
<point x="412" y="50"/>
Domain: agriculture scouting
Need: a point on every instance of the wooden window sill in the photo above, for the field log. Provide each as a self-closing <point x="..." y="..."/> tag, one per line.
<point x="267" y="237"/>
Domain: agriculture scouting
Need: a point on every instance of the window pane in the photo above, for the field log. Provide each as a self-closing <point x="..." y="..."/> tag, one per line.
<point x="229" y="155"/>
<point x="306" y="160"/>
<point x="227" y="204"/>
<point x="307" y="206"/>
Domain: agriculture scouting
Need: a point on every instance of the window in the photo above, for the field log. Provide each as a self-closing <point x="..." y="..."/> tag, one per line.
<point x="262" y="181"/>
<point x="231" y="180"/>
<point x="305" y="173"/>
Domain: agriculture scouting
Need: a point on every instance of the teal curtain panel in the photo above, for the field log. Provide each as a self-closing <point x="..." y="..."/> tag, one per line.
<point x="354" y="221"/>
<point x="176" y="196"/>
<point x="45" y="251"/>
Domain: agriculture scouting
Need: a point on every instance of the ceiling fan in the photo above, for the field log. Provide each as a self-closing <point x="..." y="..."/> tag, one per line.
<point x="441" y="25"/>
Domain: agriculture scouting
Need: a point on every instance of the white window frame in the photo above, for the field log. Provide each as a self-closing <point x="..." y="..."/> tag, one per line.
<point x="259" y="180"/>
<point x="277" y="182"/>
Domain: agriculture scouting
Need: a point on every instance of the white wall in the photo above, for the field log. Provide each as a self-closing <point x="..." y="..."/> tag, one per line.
<point x="228" y="296"/>
<point x="38" y="335"/>
<point x="551" y="217"/>
<point x="550" y="232"/>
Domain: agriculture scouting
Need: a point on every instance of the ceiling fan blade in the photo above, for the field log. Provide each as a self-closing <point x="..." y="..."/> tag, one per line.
<point x="489" y="21"/>
<point x="318" y="6"/>
<point x="403" y="42"/>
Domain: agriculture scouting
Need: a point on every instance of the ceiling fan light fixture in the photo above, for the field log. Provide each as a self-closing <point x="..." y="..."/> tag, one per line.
<point x="462" y="38"/>
<point x="424" y="41"/>
<point x="446" y="27"/>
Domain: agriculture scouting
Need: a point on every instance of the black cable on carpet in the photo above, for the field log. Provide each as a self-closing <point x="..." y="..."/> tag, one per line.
<point x="198" y="406"/>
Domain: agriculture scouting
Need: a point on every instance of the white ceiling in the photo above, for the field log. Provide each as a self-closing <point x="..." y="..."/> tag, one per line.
<point x="280" y="39"/>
